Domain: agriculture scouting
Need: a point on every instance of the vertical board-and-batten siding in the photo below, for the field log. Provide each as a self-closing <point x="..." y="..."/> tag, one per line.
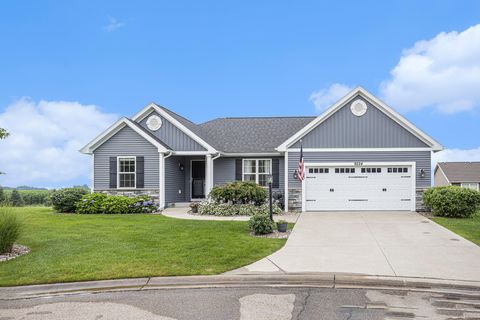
<point x="421" y="158"/>
<point x="374" y="129"/>
<point x="126" y="142"/>
<point x="172" y="136"/>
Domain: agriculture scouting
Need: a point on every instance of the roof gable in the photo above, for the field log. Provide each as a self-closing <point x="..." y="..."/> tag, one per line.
<point x="115" y="128"/>
<point x="460" y="171"/>
<point x="171" y="135"/>
<point x="372" y="101"/>
<point x="183" y="124"/>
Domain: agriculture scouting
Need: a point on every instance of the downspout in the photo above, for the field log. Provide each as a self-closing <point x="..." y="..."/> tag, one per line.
<point x="170" y="153"/>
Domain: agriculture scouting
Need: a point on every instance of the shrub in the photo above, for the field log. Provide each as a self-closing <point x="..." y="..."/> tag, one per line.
<point x="452" y="201"/>
<point x="16" y="199"/>
<point x="9" y="229"/>
<point x="261" y="224"/>
<point x="100" y="203"/>
<point x="225" y="209"/>
<point x="239" y="193"/>
<point x="64" y="200"/>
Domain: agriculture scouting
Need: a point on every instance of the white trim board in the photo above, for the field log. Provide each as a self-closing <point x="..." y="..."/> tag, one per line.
<point x="142" y="114"/>
<point x="435" y="146"/>
<point x="115" y="128"/>
<point x="357" y="149"/>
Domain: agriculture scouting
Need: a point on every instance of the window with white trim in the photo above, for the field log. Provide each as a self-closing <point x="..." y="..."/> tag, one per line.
<point x="469" y="185"/>
<point x="126" y="175"/>
<point x="257" y="170"/>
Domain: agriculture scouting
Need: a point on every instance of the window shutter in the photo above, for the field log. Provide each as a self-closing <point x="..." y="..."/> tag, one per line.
<point x="140" y="172"/>
<point x="238" y="169"/>
<point x="276" y="173"/>
<point x="113" y="172"/>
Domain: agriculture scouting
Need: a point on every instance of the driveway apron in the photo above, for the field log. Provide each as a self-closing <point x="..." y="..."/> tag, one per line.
<point x="375" y="243"/>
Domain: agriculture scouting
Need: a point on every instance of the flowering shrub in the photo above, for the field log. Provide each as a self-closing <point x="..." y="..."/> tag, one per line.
<point x="100" y="203"/>
<point x="225" y="209"/>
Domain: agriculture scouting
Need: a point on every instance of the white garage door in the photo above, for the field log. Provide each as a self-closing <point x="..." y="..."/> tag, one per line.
<point x="376" y="187"/>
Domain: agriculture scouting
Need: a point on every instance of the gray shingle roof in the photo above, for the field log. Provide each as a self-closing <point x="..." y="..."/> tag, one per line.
<point x="251" y="134"/>
<point x="244" y="134"/>
<point x="461" y="171"/>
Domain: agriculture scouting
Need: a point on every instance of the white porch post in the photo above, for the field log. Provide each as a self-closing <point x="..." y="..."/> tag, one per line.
<point x="208" y="174"/>
<point x="285" y="196"/>
<point x="161" y="180"/>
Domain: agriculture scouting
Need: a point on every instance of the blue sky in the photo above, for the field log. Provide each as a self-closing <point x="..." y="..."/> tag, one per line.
<point x="212" y="59"/>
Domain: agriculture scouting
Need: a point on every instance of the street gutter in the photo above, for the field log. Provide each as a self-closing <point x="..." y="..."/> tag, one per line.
<point x="334" y="281"/>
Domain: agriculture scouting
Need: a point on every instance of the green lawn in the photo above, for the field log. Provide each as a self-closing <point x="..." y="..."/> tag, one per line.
<point x="468" y="228"/>
<point x="68" y="247"/>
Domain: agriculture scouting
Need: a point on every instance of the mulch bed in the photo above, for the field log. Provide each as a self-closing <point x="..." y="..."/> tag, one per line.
<point x="17" y="251"/>
<point x="274" y="235"/>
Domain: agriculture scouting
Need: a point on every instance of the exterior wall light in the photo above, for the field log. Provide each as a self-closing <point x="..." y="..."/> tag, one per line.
<point x="181" y="167"/>
<point x="422" y="173"/>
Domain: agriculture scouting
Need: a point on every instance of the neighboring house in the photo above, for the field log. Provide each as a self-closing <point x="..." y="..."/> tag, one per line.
<point x="359" y="155"/>
<point x="463" y="174"/>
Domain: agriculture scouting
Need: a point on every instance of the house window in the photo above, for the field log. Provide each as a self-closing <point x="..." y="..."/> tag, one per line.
<point x="257" y="170"/>
<point x="469" y="185"/>
<point x="126" y="172"/>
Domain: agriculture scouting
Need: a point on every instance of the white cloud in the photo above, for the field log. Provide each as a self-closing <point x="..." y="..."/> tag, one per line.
<point x="443" y="72"/>
<point x="113" y="24"/>
<point x="448" y="155"/>
<point x="42" y="149"/>
<point x="325" y="97"/>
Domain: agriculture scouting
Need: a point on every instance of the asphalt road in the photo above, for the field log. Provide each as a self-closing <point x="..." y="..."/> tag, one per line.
<point x="246" y="303"/>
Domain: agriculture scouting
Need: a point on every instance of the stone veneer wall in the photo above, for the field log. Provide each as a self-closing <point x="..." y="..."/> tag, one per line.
<point x="152" y="193"/>
<point x="295" y="199"/>
<point x="419" y="197"/>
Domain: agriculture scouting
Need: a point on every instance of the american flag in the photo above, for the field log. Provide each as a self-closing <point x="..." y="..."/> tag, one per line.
<point x="301" y="165"/>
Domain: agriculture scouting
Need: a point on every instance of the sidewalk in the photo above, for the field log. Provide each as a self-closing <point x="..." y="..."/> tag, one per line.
<point x="182" y="213"/>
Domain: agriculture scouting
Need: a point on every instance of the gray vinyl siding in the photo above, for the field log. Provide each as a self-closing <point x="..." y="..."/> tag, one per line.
<point x="126" y="142"/>
<point x="174" y="180"/>
<point x="421" y="158"/>
<point x="372" y="130"/>
<point x="173" y="136"/>
<point x="224" y="170"/>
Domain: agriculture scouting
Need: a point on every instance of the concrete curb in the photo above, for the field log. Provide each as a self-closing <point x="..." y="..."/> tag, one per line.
<point x="338" y="281"/>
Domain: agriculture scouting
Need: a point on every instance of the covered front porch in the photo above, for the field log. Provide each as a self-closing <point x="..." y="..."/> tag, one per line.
<point x="184" y="177"/>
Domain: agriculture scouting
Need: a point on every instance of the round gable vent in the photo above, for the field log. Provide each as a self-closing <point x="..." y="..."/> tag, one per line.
<point x="358" y="107"/>
<point x="154" y="123"/>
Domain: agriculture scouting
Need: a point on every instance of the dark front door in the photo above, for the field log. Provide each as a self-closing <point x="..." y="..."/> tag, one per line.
<point x="198" y="179"/>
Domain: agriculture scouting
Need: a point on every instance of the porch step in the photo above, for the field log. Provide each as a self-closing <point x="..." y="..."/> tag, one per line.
<point x="181" y="204"/>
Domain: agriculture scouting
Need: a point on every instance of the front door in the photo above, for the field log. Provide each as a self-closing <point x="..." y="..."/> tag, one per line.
<point x="198" y="179"/>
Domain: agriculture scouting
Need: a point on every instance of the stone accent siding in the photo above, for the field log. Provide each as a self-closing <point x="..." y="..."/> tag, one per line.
<point x="152" y="193"/>
<point x="420" y="206"/>
<point x="294" y="199"/>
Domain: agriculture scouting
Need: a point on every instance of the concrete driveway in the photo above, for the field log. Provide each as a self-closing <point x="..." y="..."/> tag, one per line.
<point x="375" y="243"/>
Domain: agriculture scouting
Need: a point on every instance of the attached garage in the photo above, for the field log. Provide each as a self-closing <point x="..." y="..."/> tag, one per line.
<point x="359" y="186"/>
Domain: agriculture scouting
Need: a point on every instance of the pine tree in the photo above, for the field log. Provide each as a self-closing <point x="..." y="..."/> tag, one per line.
<point x="16" y="199"/>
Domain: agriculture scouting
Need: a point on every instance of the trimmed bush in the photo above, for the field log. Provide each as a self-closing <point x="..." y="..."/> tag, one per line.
<point x="261" y="224"/>
<point x="10" y="228"/>
<point x="225" y="209"/>
<point x="64" y="200"/>
<point x="452" y="201"/>
<point x="16" y="199"/>
<point x="100" y="203"/>
<point x="239" y="193"/>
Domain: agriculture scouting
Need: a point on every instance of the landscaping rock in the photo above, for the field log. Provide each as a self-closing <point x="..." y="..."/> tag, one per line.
<point x="17" y="251"/>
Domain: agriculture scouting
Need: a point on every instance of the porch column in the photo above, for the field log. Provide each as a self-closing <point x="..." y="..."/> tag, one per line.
<point x="161" y="180"/>
<point x="208" y="174"/>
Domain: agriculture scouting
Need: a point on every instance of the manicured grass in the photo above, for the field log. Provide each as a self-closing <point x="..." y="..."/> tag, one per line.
<point x="469" y="228"/>
<point x="69" y="247"/>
